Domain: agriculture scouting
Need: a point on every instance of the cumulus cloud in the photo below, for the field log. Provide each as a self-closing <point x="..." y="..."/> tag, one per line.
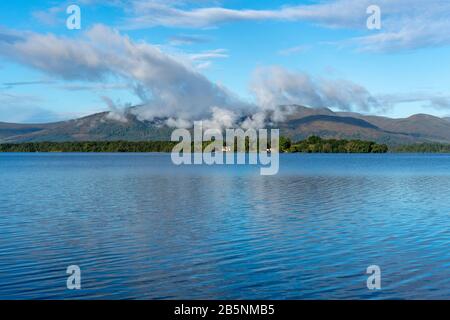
<point x="221" y="119"/>
<point x="255" y="121"/>
<point x="169" y="87"/>
<point x="179" y="123"/>
<point x="116" y="112"/>
<point x="275" y="86"/>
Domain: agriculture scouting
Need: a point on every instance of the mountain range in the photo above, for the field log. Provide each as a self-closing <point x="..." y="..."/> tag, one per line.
<point x="301" y="123"/>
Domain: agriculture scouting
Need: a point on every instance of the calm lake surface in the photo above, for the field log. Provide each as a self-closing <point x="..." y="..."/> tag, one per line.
<point x="140" y="227"/>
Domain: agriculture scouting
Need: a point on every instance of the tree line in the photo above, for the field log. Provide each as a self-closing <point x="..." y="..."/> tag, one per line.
<point x="313" y="144"/>
<point x="316" y="144"/>
<point x="424" y="148"/>
<point x="90" y="146"/>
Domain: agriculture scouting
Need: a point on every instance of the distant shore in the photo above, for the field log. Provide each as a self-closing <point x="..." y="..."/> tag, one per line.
<point x="313" y="144"/>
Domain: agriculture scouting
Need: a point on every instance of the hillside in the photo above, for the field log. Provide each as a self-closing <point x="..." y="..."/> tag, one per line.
<point x="301" y="123"/>
<point x="96" y="127"/>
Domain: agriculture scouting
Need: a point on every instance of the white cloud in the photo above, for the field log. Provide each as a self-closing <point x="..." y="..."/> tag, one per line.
<point x="406" y="24"/>
<point x="293" y="50"/>
<point x="169" y="87"/>
<point x="178" y="123"/>
<point x="221" y="119"/>
<point x="430" y="100"/>
<point x="210" y="54"/>
<point x="255" y="121"/>
<point x="439" y="102"/>
<point x="178" y="14"/>
<point x="275" y="86"/>
<point x="50" y="17"/>
<point x="172" y="87"/>
<point x="203" y="65"/>
<point x="203" y="60"/>
<point x="187" y="39"/>
<point x="116" y="112"/>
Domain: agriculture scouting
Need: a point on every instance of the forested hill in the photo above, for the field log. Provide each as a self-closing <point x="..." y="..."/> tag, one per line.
<point x="299" y="124"/>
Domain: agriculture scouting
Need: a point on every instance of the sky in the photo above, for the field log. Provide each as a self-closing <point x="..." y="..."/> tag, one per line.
<point x="216" y="60"/>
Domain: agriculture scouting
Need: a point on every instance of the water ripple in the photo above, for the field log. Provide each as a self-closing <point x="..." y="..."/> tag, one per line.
<point x="141" y="228"/>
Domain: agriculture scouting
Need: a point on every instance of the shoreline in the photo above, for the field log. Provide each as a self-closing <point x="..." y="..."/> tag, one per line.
<point x="168" y="152"/>
<point x="312" y="144"/>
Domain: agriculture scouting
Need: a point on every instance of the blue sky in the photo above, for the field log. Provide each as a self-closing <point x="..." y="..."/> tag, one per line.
<point x="184" y="58"/>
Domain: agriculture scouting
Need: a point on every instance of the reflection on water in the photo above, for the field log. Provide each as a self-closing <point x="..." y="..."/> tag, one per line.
<point x="140" y="227"/>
